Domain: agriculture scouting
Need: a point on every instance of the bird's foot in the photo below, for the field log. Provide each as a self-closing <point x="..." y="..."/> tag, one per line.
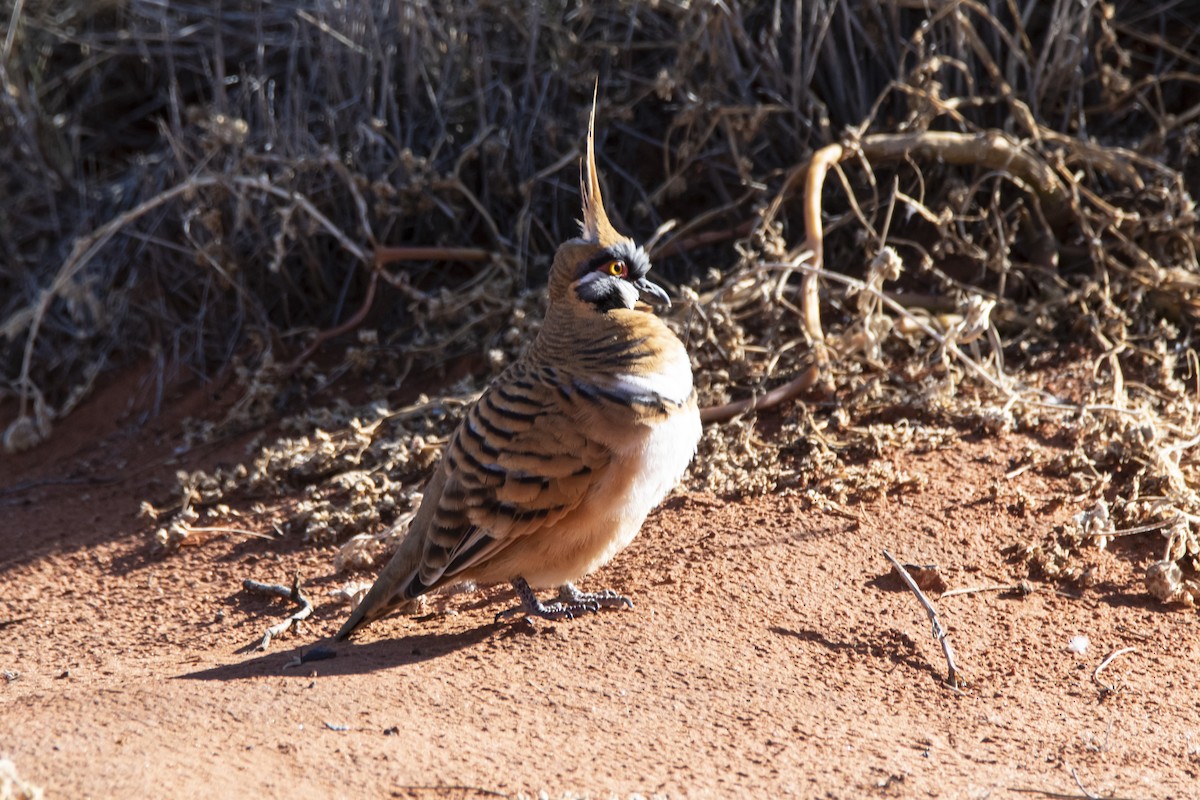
<point x="571" y="603"/>
<point x="567" y="593"/>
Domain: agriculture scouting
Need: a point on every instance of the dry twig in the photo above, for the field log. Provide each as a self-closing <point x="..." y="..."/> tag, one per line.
<point x="992" y="149"/>
<point x="355" y="320"/>
<point x="780" y="394"/>
<point x="996" y="587"/>
<point x="1108" y="659"/>
<point x="295" y="594"/>
<point x="954" y="677"/>
<point x="389" y="255"/>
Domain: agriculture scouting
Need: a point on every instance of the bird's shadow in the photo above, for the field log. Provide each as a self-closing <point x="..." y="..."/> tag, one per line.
<point x="327" y="657"/>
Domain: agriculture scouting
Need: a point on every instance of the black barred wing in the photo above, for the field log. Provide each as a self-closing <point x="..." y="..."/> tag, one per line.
<point x="519" y="462"/>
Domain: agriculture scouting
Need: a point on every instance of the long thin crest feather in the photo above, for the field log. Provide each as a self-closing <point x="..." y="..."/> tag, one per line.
<point x="595" y="225"/>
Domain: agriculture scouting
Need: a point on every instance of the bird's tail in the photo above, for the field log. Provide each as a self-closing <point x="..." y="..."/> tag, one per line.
<point x="391" y="590"/>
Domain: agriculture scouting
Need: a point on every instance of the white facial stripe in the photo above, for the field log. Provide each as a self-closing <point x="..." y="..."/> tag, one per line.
<point x="629" y="293"/>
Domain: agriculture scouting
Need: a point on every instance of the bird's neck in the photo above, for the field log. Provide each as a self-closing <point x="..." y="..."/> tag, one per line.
<point x="622" y="341"/>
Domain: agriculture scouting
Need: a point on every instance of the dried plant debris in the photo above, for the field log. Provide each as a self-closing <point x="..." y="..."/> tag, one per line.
<point x="346" y="471"/>
<point x="1014" y="198"/>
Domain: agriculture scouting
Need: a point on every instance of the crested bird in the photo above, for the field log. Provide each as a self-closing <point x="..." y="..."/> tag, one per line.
<point x="555" y="467"/>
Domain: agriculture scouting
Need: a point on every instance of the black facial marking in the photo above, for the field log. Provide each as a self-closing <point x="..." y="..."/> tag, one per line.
<point x="604" y="294"/>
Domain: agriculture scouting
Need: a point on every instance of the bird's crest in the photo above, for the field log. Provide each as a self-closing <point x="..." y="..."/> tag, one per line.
<point x="595" y="225"/>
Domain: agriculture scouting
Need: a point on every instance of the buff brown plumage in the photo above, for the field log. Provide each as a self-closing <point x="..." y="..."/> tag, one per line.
<point x="556" y="466"/>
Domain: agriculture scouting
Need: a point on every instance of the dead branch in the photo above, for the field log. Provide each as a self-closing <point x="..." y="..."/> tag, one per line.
<point x="295" y="594"/>
<point x="386" y="255"/>
<point x="1079" y="783"/>
<point x="1108" y="659"/>
<point x="442" y="788"/>
<point x="389" y="255"/>
<point x="337" y="330"/>
<point x="1139" y="529"/>
<point x="680" y="244"/>
<point x="814" y="243"/>
<point x="995" y="587"/>
<point x="954" y="678"/>
<point x="780" y="394"/>
<point x="991" y="148"/>
<point x="86" y="248"/>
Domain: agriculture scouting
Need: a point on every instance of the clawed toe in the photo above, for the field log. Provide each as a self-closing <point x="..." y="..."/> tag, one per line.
<point x="571" y="603"/>
<point x="552" y="611"/>
<point x="607" y="598"/>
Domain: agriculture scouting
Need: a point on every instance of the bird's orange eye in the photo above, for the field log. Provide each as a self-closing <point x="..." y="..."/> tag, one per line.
<point x="617" y="269"/>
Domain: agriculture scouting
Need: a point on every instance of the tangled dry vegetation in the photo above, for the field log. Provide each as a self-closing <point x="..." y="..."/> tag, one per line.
<point x="986" y="224"/>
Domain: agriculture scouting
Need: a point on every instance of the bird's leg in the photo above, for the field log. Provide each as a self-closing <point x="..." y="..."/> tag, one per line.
<point x="568" y="594"/>
<point x="571" y="604"/>
<point x="532" y="607"/>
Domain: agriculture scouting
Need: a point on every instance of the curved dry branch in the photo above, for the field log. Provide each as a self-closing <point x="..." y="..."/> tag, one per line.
<point x="992" y="148"/>
<point x="780" y="394"/>
<point x="293" y="593"/>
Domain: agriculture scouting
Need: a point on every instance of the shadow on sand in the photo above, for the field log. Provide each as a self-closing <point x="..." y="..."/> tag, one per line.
<point x="327" y="657"/>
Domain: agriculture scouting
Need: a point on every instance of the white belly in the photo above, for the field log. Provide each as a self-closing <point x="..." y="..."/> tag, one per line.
<point x="659" y="461"/>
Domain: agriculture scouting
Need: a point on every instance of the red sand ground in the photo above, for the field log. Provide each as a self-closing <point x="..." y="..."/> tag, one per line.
<point x="768" y="654"/>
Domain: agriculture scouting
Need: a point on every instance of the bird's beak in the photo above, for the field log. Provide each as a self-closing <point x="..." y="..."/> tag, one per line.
<point x="655" y="291"/>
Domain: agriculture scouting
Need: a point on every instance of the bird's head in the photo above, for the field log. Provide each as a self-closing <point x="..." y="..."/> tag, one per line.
<point x="601" y="269"/>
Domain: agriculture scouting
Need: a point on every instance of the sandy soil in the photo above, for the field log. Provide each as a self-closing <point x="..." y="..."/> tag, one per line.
<point x="769" y="653"/>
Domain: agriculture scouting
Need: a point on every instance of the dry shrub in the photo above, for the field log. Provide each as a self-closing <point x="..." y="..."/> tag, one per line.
<point x="200" y="185"/>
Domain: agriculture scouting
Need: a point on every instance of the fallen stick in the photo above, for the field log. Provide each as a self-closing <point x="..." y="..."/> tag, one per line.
<point x="338" y="330"/>
<point x="1108" y="659"/>
<point x="1079" y="783"/>
<point x="277" y="590"/>
<point x="780" y="394"/>
<point x="954" y="676"/>
<point x="388" y="255"/>
<point x="382" y="256"/>
<point x="1023" y="588"/>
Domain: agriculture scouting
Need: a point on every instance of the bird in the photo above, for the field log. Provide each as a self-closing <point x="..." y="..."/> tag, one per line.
<point x="555" y="467"/>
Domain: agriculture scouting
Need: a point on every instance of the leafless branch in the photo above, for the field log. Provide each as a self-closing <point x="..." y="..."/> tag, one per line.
<point x="294" y="593"/>
<point x="954" y="678"/>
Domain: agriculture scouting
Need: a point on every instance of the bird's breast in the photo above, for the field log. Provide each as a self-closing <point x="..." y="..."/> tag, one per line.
<point x="644" y="474"/>
<point x="645" y="466"/>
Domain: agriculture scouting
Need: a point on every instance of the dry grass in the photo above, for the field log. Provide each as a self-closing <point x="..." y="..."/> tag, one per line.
<point x="205" y="189"/>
